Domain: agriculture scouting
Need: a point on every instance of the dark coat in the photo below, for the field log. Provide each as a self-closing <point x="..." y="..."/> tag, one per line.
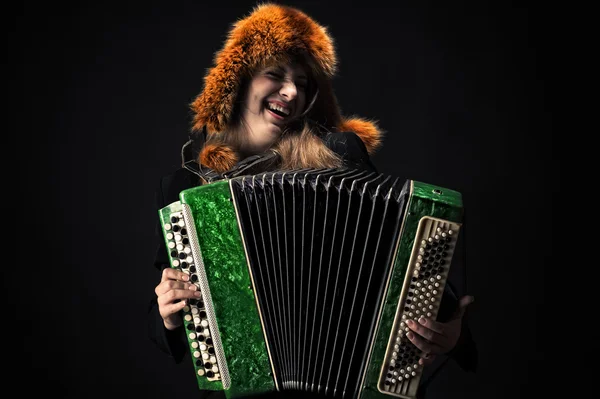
<point x="354" y="154"/>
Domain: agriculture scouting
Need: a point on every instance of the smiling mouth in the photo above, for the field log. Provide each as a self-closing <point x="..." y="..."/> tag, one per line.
<point x="278" y="110"/>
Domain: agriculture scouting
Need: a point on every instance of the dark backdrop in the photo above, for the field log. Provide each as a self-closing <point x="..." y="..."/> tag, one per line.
<point x="102" y="109"/>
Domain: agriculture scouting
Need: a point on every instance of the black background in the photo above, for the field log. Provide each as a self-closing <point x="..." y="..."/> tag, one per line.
<point x="102" y="93"/>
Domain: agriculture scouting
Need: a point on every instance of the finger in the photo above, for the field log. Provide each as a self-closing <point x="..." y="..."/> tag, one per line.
<point x="432" y="325"/>
<point x="462" y="306"/>
<point x="176" y="295"/>
<point x="426" y="359"/>
<point x="169" y="285"/>
<point x="422" y="330"/>
<point x="170" y="273"/>
<point x="422" y="344"/>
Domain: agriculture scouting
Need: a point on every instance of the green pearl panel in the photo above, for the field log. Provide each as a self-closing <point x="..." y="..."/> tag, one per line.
<point x="232" y="297"/>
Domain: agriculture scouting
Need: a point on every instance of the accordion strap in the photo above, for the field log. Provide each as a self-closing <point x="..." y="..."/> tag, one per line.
<point x="254" y="165"/>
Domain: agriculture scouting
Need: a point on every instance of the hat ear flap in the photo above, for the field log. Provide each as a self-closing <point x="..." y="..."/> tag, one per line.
<point x="214" y="106"/>
<point x="218" y="157"/>
<point x="367" y="130"/>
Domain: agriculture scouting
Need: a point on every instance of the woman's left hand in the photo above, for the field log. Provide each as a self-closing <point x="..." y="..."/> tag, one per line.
<point x="435" y="338"/>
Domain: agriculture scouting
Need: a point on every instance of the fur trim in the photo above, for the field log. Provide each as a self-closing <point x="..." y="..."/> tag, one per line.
<point x="267" y="36"/>
<point x="367" y="130"/>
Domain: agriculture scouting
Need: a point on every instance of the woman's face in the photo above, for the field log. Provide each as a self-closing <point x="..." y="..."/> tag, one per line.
<point x="276" y="95"/>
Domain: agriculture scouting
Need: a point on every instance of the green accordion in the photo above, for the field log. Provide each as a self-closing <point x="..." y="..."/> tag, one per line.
<point x="308" y="277"/>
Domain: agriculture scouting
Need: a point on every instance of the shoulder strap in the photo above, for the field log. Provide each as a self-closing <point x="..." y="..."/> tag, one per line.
<point x="254" y="165"/>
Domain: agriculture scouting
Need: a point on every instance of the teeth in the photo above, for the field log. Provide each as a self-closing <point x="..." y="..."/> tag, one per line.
<point x="278" y="108"/>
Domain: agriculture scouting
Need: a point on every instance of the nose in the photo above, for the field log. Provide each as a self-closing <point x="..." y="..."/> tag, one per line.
<point x="288" y="90"/>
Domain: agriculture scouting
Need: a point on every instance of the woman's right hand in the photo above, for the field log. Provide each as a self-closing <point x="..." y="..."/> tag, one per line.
<point x="173" y="293"/>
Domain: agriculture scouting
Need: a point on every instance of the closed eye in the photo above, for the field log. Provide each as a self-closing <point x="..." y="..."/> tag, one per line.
<point x="274" y="75"/>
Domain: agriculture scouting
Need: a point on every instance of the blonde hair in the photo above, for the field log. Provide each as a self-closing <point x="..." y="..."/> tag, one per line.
<point x="304" y="148"/>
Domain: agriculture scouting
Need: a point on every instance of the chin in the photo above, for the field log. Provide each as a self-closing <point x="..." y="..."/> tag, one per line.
<point x="274" y="131"/>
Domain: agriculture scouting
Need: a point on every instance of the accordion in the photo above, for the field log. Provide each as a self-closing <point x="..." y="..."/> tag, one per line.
<point x="308" y="278"/>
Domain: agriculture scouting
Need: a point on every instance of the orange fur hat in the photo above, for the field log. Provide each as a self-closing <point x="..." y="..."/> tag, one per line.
<point x="269" y="35"/>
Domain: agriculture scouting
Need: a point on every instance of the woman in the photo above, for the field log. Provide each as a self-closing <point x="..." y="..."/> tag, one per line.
<point x="268" y="104"/>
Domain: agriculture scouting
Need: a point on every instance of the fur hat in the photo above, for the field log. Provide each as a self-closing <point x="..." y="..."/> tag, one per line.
<point x="269" y="35"/>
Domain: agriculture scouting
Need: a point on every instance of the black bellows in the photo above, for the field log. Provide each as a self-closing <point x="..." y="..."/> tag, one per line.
<point x="320" y="246"/>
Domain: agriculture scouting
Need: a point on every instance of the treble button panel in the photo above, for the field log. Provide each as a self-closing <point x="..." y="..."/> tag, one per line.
<point x="194" y="314"/>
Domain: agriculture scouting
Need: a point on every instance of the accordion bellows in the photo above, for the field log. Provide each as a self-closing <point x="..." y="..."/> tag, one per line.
<point x="308" y="277"/>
